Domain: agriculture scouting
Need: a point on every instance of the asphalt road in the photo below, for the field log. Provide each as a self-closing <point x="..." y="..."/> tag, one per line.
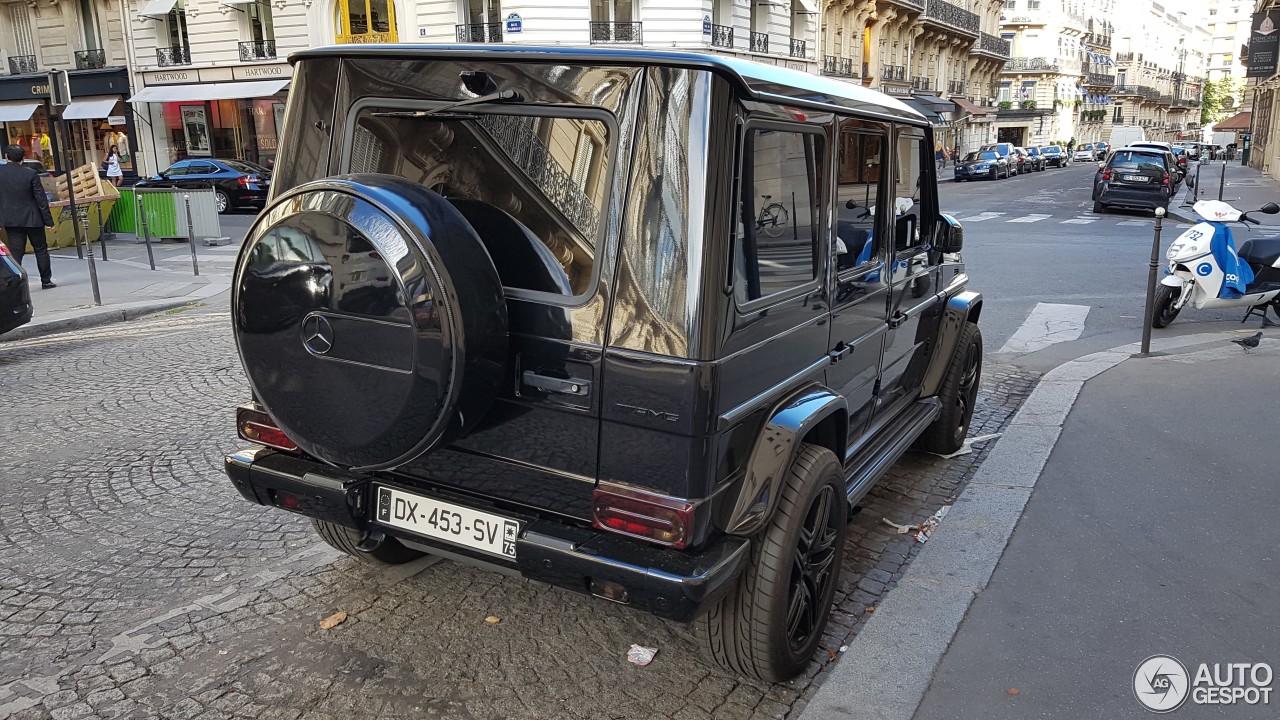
<point x="1034" y="239"/>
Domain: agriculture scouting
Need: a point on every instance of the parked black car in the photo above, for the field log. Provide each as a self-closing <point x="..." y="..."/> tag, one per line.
<point x="1035" y="161"/>
<point x="983" y="164"/>
<point x="544" y="324"/>
<point x="1006" y="151"/>
<point x="236" y="183"/>
<point x="1055" y="156"/>
<point x="15" y="295"/>
<point x="1136" y="178"/>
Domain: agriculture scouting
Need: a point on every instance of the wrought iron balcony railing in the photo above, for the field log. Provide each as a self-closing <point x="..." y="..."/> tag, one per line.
<point x="1125" y="57"/>
<point x="893" y="73"/>
<point x="722" y="36"/>
<point x="954" y="16"/>
<point x="829" y="64"/>
<point x="797" y="48"/>
<point x="846" y="67"/>
<point x="913" y="4"/>
<point x="992" y="45"/>
<point x="1031" y="63"/>
<point x="628" y="33"/>
<point x="759" y="42"/>
<point x="257" y="50"/>
<point x="921" y="83"/>
<point x="955" y="87"/>
<point x="22" y="64"/>
<point x="169" y="56"/>
<point x="366" y="37"/>
<point x="91" y="59"/>
<point x="479" y="33"/>
<point x="1099" y="80"/>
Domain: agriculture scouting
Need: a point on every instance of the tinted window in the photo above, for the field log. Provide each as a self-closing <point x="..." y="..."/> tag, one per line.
<point x="1052" y="150"/>
<point x="776" y="233"/>
<point x="858" y="189"/>
<point x="247" y="168"/>
<point x="533" y="187"/>
<point x="178" y="168"/>
<point x="911" y="224"/>
<point x="1129" y="157"/>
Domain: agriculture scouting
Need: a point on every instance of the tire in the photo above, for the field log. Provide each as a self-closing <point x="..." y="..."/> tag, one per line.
<point x="747" y="631"/>
<point x="958" y="393"/>
<point x="995" y="173"/>
<point x="1163" y="312"/>
<point x="221" y="202"/>
<point x="779" y="224"/>
<point x="389" y="552"/>
<point x="1098" y="208"/>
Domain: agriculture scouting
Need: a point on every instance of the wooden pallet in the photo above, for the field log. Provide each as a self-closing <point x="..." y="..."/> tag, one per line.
<point x="85" y="181"/>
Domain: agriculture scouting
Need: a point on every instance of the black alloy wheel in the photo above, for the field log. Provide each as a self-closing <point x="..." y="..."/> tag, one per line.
<point x="809" y="597"/>
<point x="967" y="394"/>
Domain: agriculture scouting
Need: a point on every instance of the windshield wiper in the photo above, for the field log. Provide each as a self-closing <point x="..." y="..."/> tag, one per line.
<point x="502" y="96"/>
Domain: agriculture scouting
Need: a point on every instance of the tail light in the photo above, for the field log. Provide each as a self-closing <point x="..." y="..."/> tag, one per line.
<point x="1165" y="181"/>
<point x="256" y="426"/>
<point x="648" y="516"/>
<point x="1106" y="174"/>
<point x="242" y="181"/>
<point x="4" y="251"/>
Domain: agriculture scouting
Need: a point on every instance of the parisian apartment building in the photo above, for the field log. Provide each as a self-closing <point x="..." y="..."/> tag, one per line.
<point x="167" y="80"/>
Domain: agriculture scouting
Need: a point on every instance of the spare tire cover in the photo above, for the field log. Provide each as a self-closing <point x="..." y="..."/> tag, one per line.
<point x="369" y="318"/>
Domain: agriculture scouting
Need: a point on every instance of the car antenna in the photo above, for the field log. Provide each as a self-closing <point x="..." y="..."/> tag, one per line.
<point x="499" y="96"/>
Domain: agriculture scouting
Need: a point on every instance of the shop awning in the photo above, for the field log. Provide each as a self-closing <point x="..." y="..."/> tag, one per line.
<point x="91" y="108"/>
<point x="20" y="111"/>
<point x="810" y="7"/>
<point x="157" y="8"/>
<point x="930" y="103"/>
<point x="209" y="91"/>
<point x="1239" y="121"/>
<point x="969" y="108"/>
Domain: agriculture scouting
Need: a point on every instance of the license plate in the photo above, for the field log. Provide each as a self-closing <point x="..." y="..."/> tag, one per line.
<point x="451" y="523"/>
<point x="1135" y="178"/>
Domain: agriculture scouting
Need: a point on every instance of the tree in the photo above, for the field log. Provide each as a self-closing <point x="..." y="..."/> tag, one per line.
<point x="1211" y="100"/>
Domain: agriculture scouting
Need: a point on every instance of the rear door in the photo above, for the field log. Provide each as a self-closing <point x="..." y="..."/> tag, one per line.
<point x="914" y="285"/>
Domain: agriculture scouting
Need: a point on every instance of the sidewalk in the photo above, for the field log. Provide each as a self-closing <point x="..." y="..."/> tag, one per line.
<point x="1144" y="502"/>
<point x="128" y="285"/>
<point x="1245" y="189"/>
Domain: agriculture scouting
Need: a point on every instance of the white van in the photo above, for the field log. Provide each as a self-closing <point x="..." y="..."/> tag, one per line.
<point x="1127" y="135"/>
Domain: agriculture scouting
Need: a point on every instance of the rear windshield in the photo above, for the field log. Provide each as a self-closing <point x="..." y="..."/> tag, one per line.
<point x="1050" y="150"/>
<point x="532" y="186"/>
<point x="247" y="168"/>
<point x="1086" y="147"/>
<point x="1129" y="157"/>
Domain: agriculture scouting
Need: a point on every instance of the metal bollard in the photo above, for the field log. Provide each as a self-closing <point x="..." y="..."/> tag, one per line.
<point x="146" y="233"/>
<point x="191" y="235"/>
<point x="1151" y="284"/>
<point x="93" y="266"/>
<point x="1222" y="184"/>
<point x="102" y="232"/>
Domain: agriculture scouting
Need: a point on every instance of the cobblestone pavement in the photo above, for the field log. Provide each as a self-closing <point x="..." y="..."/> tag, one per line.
<point x="137" y="583"/>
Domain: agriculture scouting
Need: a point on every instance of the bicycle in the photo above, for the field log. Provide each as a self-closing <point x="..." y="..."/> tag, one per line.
<point x="772" y="219"/>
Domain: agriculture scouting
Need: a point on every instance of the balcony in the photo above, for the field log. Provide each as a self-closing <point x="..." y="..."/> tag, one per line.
<point x="797" y="48"/>
<point x="893" y="73"/>
<point x="170" y="56"/>
<point x="955" y="87"/>
<point x="721" y="36"/>
<point x="1136" y="90"/>
<point x="478" y="33"/>
<point x="955" y="17"/>
<point x="1099" y="80"/>
<point x="1031" y="64"/>
<point x="992" y="46"/>
<point x="846" y="68"/>
<point x="1127" y="57"/>
<point x="910" y="4"/>
<point x="759" y="42"/>
<point x="22" y="64"/>
<point x="91" y="59"/>
<point x="922" y="83"/>
<point x="627" y="33"/>
<point x="257" y="50"/>
<point x="366" y="37"/>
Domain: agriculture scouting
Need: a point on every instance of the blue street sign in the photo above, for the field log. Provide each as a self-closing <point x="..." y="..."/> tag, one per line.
<point x="514" y="23"/>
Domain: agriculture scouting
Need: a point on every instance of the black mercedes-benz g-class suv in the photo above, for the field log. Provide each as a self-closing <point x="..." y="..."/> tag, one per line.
<point x="644" y="325"/>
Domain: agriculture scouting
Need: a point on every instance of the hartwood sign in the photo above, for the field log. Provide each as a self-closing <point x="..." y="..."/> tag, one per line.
<point x="1264" y="43"/>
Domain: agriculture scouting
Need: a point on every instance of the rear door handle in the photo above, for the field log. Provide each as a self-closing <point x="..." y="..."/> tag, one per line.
<point x="571" y="386"/>
<point x="839" y="352"/>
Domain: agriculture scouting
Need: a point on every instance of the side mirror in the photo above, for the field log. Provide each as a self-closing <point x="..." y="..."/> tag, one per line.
<point x="1270" y="208"/>
<point x="850" y="204"/>
<point x="952" y="235"/>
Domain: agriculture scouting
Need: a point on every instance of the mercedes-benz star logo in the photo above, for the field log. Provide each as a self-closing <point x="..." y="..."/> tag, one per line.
<point x="1161" y="683"/>
<point x="317" y="335"/>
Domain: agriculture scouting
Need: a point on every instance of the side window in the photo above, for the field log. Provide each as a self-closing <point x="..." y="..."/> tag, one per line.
<point x="859" y="185"/>
<point x="779" y="216"/>
<point x="178" y="168"/>
<point x="913" y="188"/>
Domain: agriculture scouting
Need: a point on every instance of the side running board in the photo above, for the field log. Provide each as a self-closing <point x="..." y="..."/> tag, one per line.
<point x="888" y="445"/>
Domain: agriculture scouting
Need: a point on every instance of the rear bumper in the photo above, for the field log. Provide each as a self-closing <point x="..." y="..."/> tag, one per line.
<point x="1132" y="197"/>
<point x="15" y="303"/>
<point x="669" y="583"/>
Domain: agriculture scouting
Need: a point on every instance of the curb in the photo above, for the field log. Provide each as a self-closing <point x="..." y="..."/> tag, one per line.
<point x="107" y="315"/>
<point x="890" y="663"/>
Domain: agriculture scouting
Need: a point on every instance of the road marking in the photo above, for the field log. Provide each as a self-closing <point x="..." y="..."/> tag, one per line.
<point x="981" y="216"/>
<point x="1048" y="324"/>
<point x="1079" y="221"/>
<point x="1033" y="217"/>
<point x="1133" y="223"/>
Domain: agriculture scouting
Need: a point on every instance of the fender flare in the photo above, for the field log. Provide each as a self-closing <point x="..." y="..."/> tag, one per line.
<point x="775" y="447"/>
<point x="961" y="308"/>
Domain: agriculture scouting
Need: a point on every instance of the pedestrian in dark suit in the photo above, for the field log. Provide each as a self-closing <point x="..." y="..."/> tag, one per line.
<point x="24" y="212"/>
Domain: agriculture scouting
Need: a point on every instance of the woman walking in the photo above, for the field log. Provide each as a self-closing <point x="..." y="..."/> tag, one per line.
<point x="114" y="173"/>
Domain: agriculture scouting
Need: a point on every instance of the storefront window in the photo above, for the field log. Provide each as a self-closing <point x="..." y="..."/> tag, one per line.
<point x="245" y="129"/>
<point x="366" y="21"/>
<point x="34" y="137"/>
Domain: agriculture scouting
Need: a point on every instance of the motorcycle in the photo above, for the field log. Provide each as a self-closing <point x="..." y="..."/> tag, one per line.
<point x="1207" y="271"/>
